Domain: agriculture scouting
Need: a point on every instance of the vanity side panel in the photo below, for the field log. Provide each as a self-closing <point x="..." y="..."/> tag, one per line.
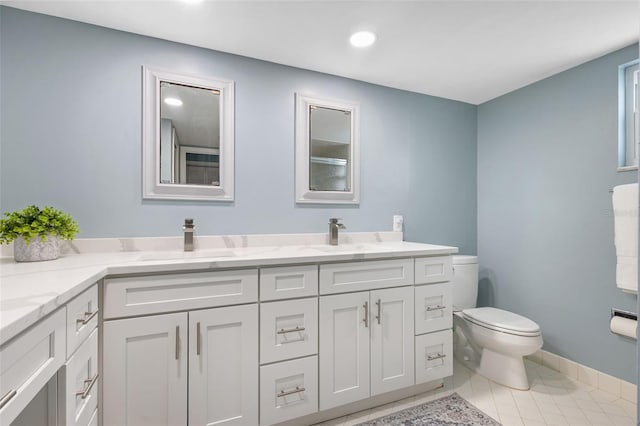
<point x="29" y="361"/>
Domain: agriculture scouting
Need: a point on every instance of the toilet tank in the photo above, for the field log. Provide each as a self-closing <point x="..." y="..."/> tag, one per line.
<point x="465" y="282"/>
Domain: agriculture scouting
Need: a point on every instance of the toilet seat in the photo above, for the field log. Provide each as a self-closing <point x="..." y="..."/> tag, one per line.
<point x="502" y="321"/>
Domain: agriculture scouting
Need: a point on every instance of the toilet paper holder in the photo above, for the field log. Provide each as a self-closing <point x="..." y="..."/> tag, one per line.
<point x="623" y="314"/>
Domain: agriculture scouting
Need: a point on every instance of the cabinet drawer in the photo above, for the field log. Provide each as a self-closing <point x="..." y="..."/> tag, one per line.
<point x="82" y="318"/>
<point x="28" y="361"/>
<point x="433" y="307"/>
<point x="433" y="269"/>
<point x="78" y="385"/>
<point x="434" y="356"/>
<point x="356" y="276"/>
<point x="288" y="329"/>
<point x="164" y="293"/>
<point x="288" y="281"/>
<point x="288" y="390"/>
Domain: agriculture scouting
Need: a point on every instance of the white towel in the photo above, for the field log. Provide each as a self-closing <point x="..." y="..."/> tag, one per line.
<point x="625" y="211"/>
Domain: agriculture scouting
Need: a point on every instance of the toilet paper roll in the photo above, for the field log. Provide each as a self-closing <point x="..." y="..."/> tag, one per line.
<point x="624" y="326"/>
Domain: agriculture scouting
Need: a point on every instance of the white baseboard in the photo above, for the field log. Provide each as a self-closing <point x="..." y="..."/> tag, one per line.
<point x="589" y="376"/>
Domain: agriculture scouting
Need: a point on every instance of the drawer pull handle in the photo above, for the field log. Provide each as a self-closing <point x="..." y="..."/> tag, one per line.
<point x="378" y="317"/>
<point x="7" y="397"/>
<point x="366" y="314"/>
<point x="88" y="316"/>
<point x="177" y="342"/>
<point x="436" y="308"/>
<point x="198" y="339"/>
<point x="434" y="357"/>
<point x="291" y="330"/>
<point x="298" y="389"/>
<point x="89" y="384"/>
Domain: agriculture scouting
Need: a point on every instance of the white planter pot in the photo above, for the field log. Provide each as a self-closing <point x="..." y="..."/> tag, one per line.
<point x="36" y="250"/>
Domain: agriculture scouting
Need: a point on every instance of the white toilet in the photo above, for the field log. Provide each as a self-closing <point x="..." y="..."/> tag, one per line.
<point x="489" y="341"/>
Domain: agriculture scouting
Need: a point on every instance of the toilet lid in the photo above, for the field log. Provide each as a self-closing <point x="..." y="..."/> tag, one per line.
<point x="497" y="319"/>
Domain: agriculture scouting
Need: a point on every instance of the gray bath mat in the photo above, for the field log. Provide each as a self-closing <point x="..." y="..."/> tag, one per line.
<point x="452" y="410"/>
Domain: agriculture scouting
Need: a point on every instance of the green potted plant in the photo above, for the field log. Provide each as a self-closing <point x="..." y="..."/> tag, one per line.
<point x="36" y="233"/>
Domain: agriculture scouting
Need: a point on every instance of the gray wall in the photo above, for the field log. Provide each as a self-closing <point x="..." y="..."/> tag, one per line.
<point x="71" y="137"/>
<point x="547" y="157"/>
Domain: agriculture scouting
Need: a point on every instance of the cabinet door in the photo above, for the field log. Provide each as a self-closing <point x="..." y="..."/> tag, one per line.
<point x="392" y="339"/>
<point x="344" y="349"/>
<point x="223" y="366"/>
<point x="145" y="371"/>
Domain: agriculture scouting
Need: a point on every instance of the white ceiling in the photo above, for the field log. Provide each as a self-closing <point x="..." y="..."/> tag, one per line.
<point x="197" y="120"/>
<point x="471" y="51"/>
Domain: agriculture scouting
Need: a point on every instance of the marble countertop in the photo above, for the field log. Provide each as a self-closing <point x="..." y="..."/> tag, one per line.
<point x="30" y="291"/>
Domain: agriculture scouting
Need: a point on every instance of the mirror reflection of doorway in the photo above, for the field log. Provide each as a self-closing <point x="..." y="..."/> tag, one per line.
<point x="189" y="135"/>
<point x="199" y="166"/>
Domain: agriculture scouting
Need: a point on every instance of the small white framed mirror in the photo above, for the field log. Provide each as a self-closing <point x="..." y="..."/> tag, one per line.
<point x="188" y="137"/>
<point x="327" y="151"/>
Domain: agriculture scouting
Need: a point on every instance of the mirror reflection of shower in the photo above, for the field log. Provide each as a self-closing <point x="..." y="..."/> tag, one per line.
<point x="330" y="149"/>
<point x="189" y="135"/>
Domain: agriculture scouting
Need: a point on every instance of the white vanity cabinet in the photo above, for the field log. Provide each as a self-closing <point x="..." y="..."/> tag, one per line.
<point x="300" y="337"/>
<point x="49" y="373"/>
<point x="156" y="361"/>
<point x="78" y="389"/>
<point x="434" y="318"/>
<point x="288" y="351"/>
<point x="366" y="344"/>
<point x="196" y="367"/>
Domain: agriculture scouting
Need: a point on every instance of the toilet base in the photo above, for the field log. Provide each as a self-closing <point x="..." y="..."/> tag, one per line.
<point x="506" y="370"/>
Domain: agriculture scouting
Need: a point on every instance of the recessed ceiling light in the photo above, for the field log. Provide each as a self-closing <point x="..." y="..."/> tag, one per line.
<point x="173" y="101"/>
<point x="362" y="38"/>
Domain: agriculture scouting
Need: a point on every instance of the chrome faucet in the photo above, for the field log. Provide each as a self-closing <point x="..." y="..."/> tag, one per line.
<point x="334" y="226"/>
<point x="188" y="228"/>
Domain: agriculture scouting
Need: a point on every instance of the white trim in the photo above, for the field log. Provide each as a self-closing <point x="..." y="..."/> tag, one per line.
<point x="623" y="143"/>
<point x="587" y="375"/>
<point x="303" y="193"/>
<point x="151" y="186"/>
<point x="627" y="168"/>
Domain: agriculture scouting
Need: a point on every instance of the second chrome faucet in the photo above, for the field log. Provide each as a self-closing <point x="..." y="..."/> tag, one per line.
<point x="188" y="228"/>
<point x="334" y="226"/>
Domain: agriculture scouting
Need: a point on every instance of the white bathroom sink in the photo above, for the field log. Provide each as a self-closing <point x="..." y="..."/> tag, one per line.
<point x="343" y="248"/>
<point x="178" y="255"/>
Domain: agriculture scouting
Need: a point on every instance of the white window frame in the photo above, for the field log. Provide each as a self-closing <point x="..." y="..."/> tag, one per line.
<point x="628" y="120"/>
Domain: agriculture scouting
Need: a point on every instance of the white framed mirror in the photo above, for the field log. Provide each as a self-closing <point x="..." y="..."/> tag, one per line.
<point x="188" y="136"/>
<point x="327" y="151"/>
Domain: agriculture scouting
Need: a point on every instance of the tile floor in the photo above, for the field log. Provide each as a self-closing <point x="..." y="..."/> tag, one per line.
<point x="553" y="399"/>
